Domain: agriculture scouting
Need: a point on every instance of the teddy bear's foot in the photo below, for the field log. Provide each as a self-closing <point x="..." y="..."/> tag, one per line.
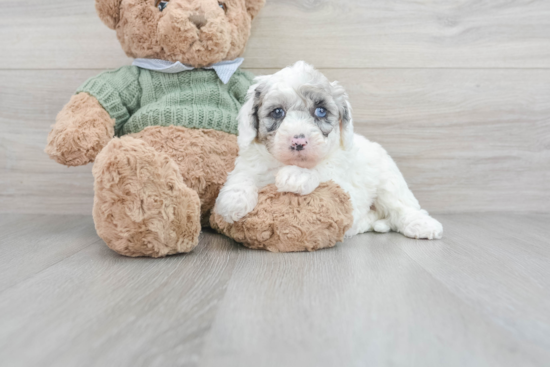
<point x="287" y="222"/>
<point x="142" y="207"/>
<point x="204" y="158"/>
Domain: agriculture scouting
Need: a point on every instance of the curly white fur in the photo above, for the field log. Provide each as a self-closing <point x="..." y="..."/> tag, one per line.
<point x="379" y="194"/>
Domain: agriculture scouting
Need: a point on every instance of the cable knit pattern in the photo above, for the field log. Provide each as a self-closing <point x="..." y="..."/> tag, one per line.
<point x="137" y="98"/>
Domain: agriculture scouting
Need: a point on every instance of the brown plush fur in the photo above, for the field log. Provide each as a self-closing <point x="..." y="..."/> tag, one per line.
<point x="146" y="32"/>
<point x="286" y="222"/>
<point x="142" y="207"/>
<point x="203" y="156"/>
<point x="108" y="11"/>
<point x="81" y="130"/>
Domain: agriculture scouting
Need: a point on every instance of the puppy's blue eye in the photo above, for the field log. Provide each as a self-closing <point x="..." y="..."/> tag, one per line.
<point x="223" y="6"/>
<point x="278" y="113"/>
<point x="321" y="112"/>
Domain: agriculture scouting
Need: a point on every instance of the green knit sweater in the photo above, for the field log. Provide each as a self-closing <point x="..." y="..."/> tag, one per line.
<point x="137" y="98"/>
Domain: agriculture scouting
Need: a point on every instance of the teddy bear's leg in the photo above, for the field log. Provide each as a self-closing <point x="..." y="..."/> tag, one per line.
<point x="204" y="158"/>
<point x="142" y="207"/>
<point x="287" y="222"/>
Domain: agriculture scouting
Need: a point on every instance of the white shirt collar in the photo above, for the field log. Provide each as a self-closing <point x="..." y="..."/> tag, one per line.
<point x="224" y="69"/>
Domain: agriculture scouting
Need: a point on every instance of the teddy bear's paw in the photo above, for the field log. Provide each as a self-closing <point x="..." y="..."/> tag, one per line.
<point x="142" y="207"/>
<point x="82" y="129"/>
<point x="71" y="148"/>
<point x="422" y="226"/>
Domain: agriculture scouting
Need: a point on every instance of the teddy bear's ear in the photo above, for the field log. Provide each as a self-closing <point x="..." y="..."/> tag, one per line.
<point x="254" y="6"/>
<point x="109" y="11"/>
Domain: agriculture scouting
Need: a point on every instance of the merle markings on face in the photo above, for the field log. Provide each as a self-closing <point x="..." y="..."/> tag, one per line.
<point x="299" y="115"/>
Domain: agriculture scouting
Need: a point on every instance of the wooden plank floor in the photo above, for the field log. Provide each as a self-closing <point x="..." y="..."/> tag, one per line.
<point x="479" y="297"/>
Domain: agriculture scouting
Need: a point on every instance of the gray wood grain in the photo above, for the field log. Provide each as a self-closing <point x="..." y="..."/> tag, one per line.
<point x="48" y="240"/>
<point x="497" y="264"/>
<point x="96" y="308"/>
<point x="466" y="140"/>
<point x="41" y="34"/>
<point x="479" y="297"/>
<point x="392" y="301"/>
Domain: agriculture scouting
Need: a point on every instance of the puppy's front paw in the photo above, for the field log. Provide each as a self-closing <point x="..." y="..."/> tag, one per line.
<point x="233" y="204"/>
<point x="423" y="226"/>
<point x="297" y="180"/>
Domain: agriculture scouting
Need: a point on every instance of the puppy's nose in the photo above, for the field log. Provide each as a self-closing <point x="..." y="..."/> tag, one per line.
<point x="299" y="142"/>
<point x="198" y="19"/>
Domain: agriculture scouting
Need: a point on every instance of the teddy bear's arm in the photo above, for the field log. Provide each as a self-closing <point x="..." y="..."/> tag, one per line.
<point x="100" y="108"/>
<point x="81" y="130"/>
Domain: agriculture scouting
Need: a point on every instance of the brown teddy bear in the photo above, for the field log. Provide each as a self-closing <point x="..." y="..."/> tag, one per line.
<point x="162" y="133"/>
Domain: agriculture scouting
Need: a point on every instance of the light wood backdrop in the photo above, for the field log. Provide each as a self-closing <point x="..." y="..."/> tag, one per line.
<point x="457" y="91"/>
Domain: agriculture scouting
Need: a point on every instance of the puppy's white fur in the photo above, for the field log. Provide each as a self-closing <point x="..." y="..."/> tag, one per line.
<point x="379" y="194"/>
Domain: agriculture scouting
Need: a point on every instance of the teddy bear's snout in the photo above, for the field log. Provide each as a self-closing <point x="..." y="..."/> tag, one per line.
<point x="198" y="19"/>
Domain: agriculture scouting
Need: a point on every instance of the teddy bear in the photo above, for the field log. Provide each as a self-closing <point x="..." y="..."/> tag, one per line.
<point x="162" y="134"/>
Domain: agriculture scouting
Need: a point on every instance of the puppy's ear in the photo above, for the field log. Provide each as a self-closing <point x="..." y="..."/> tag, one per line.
<point x="108" y="11"/>
<point x="253" y="7"/>
<point x="248" y="118"/>
<point x="346" y="120"/>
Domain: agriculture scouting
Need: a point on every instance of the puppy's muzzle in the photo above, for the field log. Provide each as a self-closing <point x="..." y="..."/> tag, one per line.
<point x="299" y="142"/>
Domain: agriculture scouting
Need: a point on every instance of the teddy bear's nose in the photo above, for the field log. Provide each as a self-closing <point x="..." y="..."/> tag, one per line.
<point x="198" y="19"/>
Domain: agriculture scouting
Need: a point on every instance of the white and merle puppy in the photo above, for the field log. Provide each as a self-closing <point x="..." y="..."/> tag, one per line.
<point x="296" y="131"/>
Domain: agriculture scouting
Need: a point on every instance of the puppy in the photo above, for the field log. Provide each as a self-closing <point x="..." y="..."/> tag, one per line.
<point x="296" y="131"/>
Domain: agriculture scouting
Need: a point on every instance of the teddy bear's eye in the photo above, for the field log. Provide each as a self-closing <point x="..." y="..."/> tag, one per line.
<point x="223" y="6"/>
<point x="161" y="4"/>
